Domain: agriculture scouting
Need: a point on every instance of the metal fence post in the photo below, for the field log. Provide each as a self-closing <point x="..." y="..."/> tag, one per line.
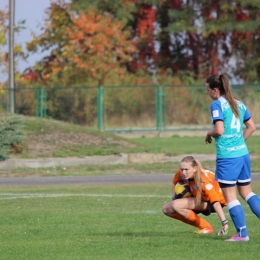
<point x="41" y="102"/>
<point x="159" y="108"/>
<point x="100" y="108"/>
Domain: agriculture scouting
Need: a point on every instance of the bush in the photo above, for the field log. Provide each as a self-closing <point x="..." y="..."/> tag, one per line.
<point x="11" y="135"/>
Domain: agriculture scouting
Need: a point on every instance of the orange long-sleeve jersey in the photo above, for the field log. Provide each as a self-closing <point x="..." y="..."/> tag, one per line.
<point x="210" y="188"/>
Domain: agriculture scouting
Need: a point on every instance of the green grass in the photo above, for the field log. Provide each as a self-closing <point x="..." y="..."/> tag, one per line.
<point x="109" y="222"/>
<point x="188" y="144"/>
<point x="69" y="141"/>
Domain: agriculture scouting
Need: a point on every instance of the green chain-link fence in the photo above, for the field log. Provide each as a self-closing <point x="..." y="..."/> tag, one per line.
<point x="128" y="108"/>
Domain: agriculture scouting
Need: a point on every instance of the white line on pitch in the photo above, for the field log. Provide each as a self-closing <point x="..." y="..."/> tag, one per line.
<point x="4" y="196"/>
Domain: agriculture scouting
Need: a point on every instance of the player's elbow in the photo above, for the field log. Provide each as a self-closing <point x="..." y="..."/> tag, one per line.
<point x="250" y="125"/>
<point x="219" y="128"/>
<point x="219" y="132"/>
<point x="252" y="128"/>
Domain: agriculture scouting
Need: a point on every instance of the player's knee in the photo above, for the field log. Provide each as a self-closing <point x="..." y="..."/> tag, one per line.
<point x="244" y="190"/>
<point x="166" y="209"/>
<point x="174" y="205"/>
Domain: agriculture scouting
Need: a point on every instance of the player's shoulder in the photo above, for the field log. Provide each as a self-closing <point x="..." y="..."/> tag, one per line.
<point x="216" y="103"/>
<point x="241" y="105"/>
<point x="206" y="171"/>
<point x="207" y="174"/>
<point x="178" y="172"/>
<point x="177" y="176"/>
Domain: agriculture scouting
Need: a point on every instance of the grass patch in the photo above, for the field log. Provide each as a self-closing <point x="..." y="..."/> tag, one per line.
<point x="188" y="145"/>
<point x="86" y="170"/>
<point x="111" y="221"/>
<point x="51" y="138"/>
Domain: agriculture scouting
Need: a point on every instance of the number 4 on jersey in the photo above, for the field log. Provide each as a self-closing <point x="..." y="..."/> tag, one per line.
<point x="235" y="124"/>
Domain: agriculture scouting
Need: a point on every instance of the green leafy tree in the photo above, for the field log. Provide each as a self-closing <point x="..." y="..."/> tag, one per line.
<point x="219" y="36"/>
<point x="122" y="10"/>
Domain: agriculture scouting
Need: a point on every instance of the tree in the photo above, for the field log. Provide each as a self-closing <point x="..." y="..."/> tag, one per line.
<point x="122" y="10"/>
<point x="18" y="52"/>
<point x="194" y="38"/>
<point x="85" y="47"/>
<point x="3" y="40"/>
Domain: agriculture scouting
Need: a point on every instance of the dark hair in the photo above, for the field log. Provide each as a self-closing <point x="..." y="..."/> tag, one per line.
<point x="221" y="82"/>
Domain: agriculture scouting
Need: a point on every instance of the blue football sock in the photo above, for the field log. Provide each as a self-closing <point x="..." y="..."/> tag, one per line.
<point x="254" y="203"/>
<point x="237" y="214"/>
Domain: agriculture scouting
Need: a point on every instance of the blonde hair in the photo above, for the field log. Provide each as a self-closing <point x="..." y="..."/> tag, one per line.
<point x="221" y="82"/>
<point x="197" y="175"/>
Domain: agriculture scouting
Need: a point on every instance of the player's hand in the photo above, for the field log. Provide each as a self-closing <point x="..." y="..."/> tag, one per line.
<point x="224" y="229"/>
<point x="208" y="139"/>
<point x="179" y="196"/>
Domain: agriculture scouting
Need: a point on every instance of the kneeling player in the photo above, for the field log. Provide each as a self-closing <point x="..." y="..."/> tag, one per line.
<point x="207" y="198"/>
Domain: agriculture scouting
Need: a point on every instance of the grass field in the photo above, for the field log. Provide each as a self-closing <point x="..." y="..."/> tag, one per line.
<point x="109" y="222"/>
<point x="112" y="222"/>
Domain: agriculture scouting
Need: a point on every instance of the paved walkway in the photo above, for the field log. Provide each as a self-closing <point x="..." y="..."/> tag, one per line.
<point x="109" y="160"/>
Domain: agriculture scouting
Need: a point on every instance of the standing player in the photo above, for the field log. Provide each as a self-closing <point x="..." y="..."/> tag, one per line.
<point x="233" y="160"/>
<point x="208" y="198"/>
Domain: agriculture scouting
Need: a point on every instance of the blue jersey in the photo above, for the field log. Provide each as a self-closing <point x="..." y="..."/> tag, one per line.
<point x="231" y="144"/>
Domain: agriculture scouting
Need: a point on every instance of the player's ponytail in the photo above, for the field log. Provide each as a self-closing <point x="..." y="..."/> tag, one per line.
<point x="198" y="180"/>
<point x="221" y="82"/>
<point x="228" y="94"/>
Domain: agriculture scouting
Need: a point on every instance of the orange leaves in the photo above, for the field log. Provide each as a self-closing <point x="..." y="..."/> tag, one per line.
<point x="95" y="44"/>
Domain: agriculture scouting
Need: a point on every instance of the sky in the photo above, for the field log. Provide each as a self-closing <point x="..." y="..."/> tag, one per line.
<point x="32" y="11"/>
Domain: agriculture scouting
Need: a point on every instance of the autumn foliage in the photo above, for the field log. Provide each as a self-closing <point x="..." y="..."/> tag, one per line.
<point x="93" y="46"/>
<point x="94" y="42"/>
<point x="141" y="42"/>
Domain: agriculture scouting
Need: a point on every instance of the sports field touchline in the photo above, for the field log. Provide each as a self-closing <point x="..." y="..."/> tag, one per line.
<point x="41" y="195"/>
<point x="11" y="196"/>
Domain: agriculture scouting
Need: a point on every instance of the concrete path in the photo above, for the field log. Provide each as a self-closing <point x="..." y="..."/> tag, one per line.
<point x="109" y="160"/>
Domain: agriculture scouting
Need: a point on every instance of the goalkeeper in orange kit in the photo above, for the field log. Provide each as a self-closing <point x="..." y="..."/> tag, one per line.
<point x="207" y="198"/>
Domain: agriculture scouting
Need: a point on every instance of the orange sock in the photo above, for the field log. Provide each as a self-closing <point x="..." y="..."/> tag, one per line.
<point x="193" y="220"/>
<point x="183" y="219"/>
<point x="200" y="222"/>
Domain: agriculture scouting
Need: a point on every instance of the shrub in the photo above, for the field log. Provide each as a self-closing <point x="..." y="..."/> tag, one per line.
<point x="11" y="135"/>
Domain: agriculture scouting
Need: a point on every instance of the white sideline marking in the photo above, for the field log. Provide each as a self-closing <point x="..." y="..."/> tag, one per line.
<point x="10" y="196"/>
<point x="6" y="196"/>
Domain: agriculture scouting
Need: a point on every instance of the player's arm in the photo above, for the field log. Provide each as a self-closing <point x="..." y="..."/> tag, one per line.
<point x="217" y="131"/>
<point x="219" y="210"/>
<point x="217" y="119"/>
<point x="250" y="128"/>
<point x="173" y="191"/>
<point x="175" y="179"/>
<point x="214" y="200"/>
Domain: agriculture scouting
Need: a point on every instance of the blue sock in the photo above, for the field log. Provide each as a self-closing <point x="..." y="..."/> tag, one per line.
<point x="254" y="203"/>
<point x="238" y="217"/>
